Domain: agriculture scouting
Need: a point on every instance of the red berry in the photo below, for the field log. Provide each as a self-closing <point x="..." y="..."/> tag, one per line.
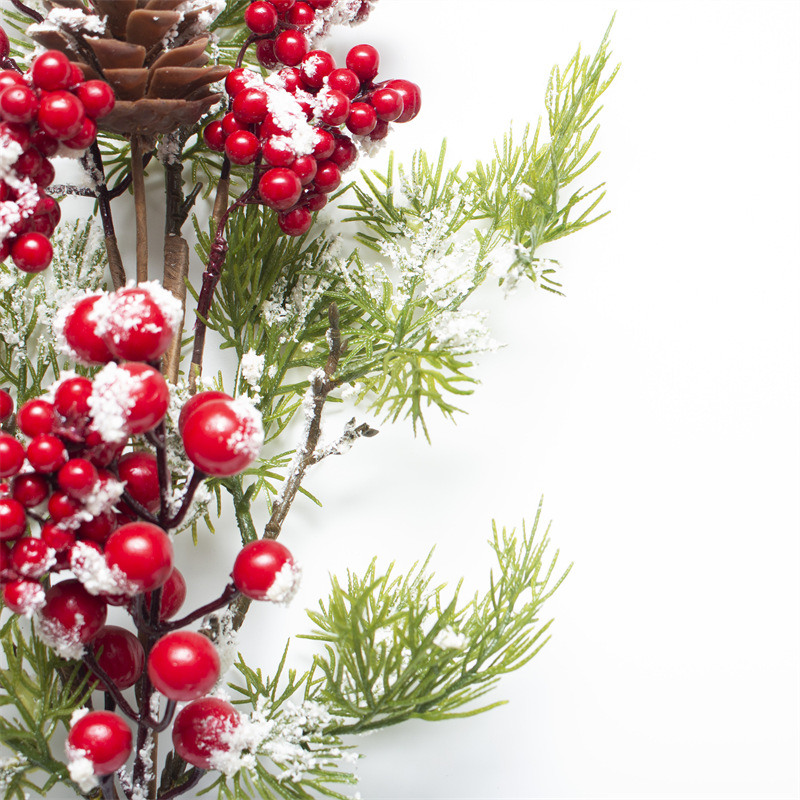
<point x="279" y="188"/>
<point x="345" y="80"/>
<point x="321" y="4"/>
<point x="103" y="738"/>
<point x="183" y="665"/>
<point x="71" y="617"/>
<point x="31" y="558"/>
<point x="45" y="144"/>
<point x="84" y="137"/>
<point x="214" y="136"/>
<point x="223" y="437"/>
<point x="12" y="455"/>
<point x="314" y="201"/>
<point x="315" y="67"/>
<point x="202" y="728"/>
<point x="30" y="490"/>
<point x="328" y="177"/>
<point x="282" y="6"/>
<point x="142" y="552"/>
<point x="44" y="177"/>
<point x="29" y="163"/>
<point x="292" y="79"/>
<point x="47" y="453"/>
<point x="78" y="478"/>
<point x="120" y="654"/>
<point x="77" y="76"/>
<point x="364" y="60"/>
<point x="76" y="329"/>
<point x="257" y="566"/>
<point x="97" y="98"/>
<point x="60" y="539"/>
<point x="300" y="14"/>
<point x="139" y="471"/>
<point x="290" y="47"/>
<point x="324" y="143"/>
<point x="362" y="118"/>
<point x="5" y="45"/>
<point x="305" y="167"/>
<point x="23" y="596"/>
<point x="230" y="125"/>
<point x="278" y="151"/>
<point x="344" y="153"/>
<point x="265" y="53"/>
<point x="139" y="322"/>
<point x="261" y="17"/>
<point x="61" y="506"/>
<point x="71" y="398"/>
<point x="51" y="71"/>
<point x="239" y="79"/>
<point x="412" y="97"/>
<point x="250" y="106"/>
<point x="61" y="115"/>
<point x="295" y="222"/>
<point x="32" y="252"/>
<point x="35" y="417"/>
<point x="194" y="402"/>
<point x="388" y="104"/>
<point x="12" y="519"/>
<point x="97" y="529"/>
<point x="241" y="147"/>
<point x="6" y="405"/>
<point x="18" y="104"/>
<point x="335" y="107"/>
<point x="173" y="596"/>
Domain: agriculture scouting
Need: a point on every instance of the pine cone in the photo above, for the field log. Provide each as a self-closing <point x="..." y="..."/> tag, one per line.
<point x="152" y="52"/>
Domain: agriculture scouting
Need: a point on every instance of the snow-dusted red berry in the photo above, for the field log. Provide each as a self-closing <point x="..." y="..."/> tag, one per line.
<point x="71" y="397"/>
<point x="195" y="401"/>
<point x="335" y="107"/>
<point x="47" y="453"/>
<point x="32" y="558"/>
<point x="78" y="478"/>
<point x="142" y="552"/>
<point x="97" y="98"/>
<point x="61" y="506"/>
<point x="127" y="399"/>
<point x="60" y="539"/>
<point x="279" y="188"/>
<point x="32" y="252"/>
<point x="411" y="94"/>
<point x="138" y="323"/>
<point x="51" y="71"/>
<point x="139" y="471"/>
<point x="324" y="143"/>
<point x="98" y="528"/>
<point x="75" y="327"/>
<point x="295" y="222"/>
<point x="6" y="405"/>
<point x="202" y="729"/>
<point x="315" y="67"/>
<point x="12" y="455"/>
<point x="61" y="115"/>
<point x="23" y="596"/>
<point x="120" y="654"/>
<point x="261" y="17"/>
<point x="13" y="521"/>
<point x="183" y="665"/>
<point x="35" y="417"/>
<point x="363" y="59"/>
<point x="30" y="489"/>
<point x="103" y="739"/>
<point x="223" y="437"/>
<point x="70" y="618"/>
<point x="173" y="596"/>
<point x="265" y="570"/>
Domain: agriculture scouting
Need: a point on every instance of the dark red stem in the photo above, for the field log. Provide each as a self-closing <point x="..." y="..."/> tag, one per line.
<point x="229" y="594"/>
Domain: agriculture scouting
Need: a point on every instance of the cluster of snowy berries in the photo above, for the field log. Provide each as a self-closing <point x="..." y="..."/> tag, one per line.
<point x="292" y="123"/>
<point x="48" y="110"/>
<point x="102" y="514"/>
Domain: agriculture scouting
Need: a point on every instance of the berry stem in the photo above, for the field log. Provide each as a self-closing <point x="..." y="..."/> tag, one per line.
<point x="188" y="495"/>
<point x="29" y="12"/>
<point x="195" y="775"/>
<point x="228" y="595"/>
<point x="140" y="203"/>
<point x="111" y="688"/>
<point x="108" y="787"/>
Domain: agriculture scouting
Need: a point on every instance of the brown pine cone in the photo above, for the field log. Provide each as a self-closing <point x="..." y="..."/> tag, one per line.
<point x="152" y="52"/>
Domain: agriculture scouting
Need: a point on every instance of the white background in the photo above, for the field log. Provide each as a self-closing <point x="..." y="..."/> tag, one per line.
<point x="655" y="407"/>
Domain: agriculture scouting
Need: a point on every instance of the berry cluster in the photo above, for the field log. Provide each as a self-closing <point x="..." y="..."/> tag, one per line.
<point x="300" y="125"/>
<point x="49" y="109"/>
<point x="76" y="499"/>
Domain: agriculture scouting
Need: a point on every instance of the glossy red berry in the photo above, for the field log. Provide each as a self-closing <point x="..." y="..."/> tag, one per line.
<point x="328" y="177"/>
<point x="97" y="529"/>
<point x="103" y="738"/>
<point x="388" y="104"/>
<point x="32" y="252"/>
<point x="291" y="78"/>
<point x="120" y="654"/>
<point x="344" y="153"/>
<point x="71" y="616"/>
<point x="265" y="53"/>
<point x="214" y="136"/>
<point x="183" y="665"/>
<point x="278" y="151"/>
<point x="61" y="506"/>
<point x="12" y="455"/>
<point x="279" y="188"/>
<point x="315" y="67"/>
<point x="361" y="119"/>
<point x="5" y="45"/>
<point x="239" y="79"/>
<point x="139" y="471"/>
<point x="364" y="60"/>
<point x="202" y="729"/>
<point x="78" y="478"/>
<point x="76" y="327"/>
<point x="241" y="147"/>
<point x="35" y="417"/>
<point x="45" y="144"/>
<point x="143" y="554"/>
<point x="30" y="490"/>
<point x="31" y="558"/>
<point x="60" y="539"/>
<point x="290" y="47"/>
<point x="305" y="167"/>
<point x="71" y="397"/>
<point x="18" y="104"/>
<point x="257" y="566"/>
<point x="84" y="137"/>
<point x="223" y="437"/>
<point x="6" y="405"/>
<point x="315" y="201"/>
<point x="97" y="98"/>
<point x="282" y="6"/>
<point x="335" y="107"/>
<point x="194" y="402"/>
<point x="300" y="14"/>
<point x="412" y="97"/>
<point x="51" y="71"/>
<point x="261" y="17"/>
<point x="345" y="80"/>
<point x="12" y="519"/>
<point x="46" y="453"/>
<point x="295" y="222"/>
<point x="61" y="115"/>
<point x="324" y="144"/>
<point x="250" y="106"/>
<point x="173" y="596"/>
<point x="230" y="125"/>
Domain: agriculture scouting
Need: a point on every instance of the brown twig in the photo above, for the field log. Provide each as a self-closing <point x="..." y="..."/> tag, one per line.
<point x="140" y="202"/>
<point x="29" y="12"/>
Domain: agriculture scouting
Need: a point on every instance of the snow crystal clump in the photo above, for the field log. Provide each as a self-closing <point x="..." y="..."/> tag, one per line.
<point x="463" y="332"/>
<point x="250" y="437"/>
<point x="286" y="584"/>
<point x="81" y="770"/>
<point x="30" y="598"/>
<point x="448" y="639"/>
<point x="110" y="403"/>
<point x="252" y="367"/>
<point x="92" y="570"/>
<point x="65" y="641"/>
<point x="60" y="321"/>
